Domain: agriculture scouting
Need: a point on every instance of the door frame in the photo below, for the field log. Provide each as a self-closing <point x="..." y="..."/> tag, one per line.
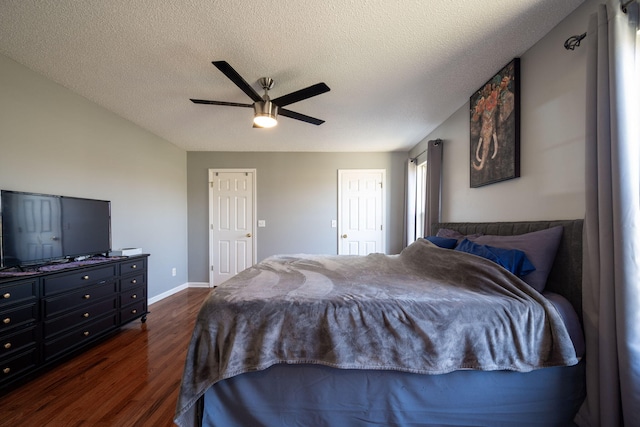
<point x="383" y="207"/>
<point x="211" y="175"/>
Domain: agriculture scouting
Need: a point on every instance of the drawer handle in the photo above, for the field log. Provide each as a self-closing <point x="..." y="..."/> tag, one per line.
<point x="85" y="277"/>
<point x="85" y="333"/>
<point x="134" y="281"/>
<point x="134" y="266"/>
<point x="86" y="296"/>
<point x="6" y="320"/>
<point x="85" y="315"/>
<point x="6" y="296"/>
<point x="7" y="346"/>
<point x="134" y="311"/>
<point x="6" y="370"/>
<point x="134" y="296"/>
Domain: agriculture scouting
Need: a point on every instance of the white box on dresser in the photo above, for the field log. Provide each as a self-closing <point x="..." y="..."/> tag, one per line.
<point x="126" y="252"/>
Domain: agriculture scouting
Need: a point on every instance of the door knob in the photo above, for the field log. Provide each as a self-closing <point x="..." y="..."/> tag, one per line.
<point x="344" y="236"/>
<point x="248" y="234"/>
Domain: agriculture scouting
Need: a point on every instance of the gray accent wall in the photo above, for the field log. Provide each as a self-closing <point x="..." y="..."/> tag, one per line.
<point x="551" y="185"/>
<point x="297" y="197"/>
<point x="55" y="142"/>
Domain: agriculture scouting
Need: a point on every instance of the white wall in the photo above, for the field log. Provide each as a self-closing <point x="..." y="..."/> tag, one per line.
<point x="551" y="185"/>
<point x="56" y="142"/>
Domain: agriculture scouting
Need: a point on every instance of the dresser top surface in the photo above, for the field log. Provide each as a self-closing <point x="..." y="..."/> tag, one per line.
<point x="14" y="273"/>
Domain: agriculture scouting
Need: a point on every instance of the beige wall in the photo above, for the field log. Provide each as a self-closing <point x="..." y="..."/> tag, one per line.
<point x="55" y="142"/>
<point x="551" y="185"/>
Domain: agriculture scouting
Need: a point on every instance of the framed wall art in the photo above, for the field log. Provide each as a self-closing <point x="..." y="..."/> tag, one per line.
<point x="495" y="128"/>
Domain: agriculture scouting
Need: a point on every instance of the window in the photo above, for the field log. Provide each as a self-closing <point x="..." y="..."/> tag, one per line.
<point x="421" y="193"/>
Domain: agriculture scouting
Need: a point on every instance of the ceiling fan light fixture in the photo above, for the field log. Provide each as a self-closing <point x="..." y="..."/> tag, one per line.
<point x="266" y="114"/>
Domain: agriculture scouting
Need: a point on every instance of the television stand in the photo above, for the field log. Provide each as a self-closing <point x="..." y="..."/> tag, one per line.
<point x="50" y="315"/>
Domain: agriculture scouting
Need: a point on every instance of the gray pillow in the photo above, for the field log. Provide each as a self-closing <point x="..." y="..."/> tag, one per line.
<point x="539" y="246"/>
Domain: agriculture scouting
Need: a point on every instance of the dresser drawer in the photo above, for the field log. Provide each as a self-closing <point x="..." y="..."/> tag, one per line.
<point x="66" y="282"/>
<point x="79" y="336"/>
<point x="81" y="298"/>
<point x="17" y="364"/>
<point x="131" y="312"/>
<point x="18" y="292"/>
<point x="133" y="266"/>
<point x="132" y="281"/>
<point x="18" y="316"/>
<point x="78" y="317"/>
<point x="132" y="296"/>
<point x="14" y="342"/>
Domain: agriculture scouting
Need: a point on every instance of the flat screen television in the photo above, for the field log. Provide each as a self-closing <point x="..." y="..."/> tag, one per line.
<point x="38" y="228"/>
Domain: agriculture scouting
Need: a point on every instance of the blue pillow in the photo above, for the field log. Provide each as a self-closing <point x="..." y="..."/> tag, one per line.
<point x="513" y="260"/>
<point x="443" y="242"/>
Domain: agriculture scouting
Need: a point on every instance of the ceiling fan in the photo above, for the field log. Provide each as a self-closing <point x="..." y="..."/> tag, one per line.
<point x="266" y="110"/>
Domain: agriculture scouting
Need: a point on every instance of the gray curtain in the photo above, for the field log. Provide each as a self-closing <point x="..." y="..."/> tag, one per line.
<point x="434" y="184"/>
<point x="611" y="268"/>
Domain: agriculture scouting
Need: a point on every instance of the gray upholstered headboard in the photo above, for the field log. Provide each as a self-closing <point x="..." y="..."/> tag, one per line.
<point x="566" y="274"/>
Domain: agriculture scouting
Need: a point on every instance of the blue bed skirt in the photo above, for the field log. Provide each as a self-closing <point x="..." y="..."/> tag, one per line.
<point x="314" y="395"/>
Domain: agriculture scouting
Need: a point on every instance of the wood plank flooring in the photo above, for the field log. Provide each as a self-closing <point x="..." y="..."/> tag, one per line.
<point x="131" y="379"/>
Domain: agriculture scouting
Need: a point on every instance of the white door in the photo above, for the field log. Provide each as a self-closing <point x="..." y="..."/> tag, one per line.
<point x="231" y="213"/>
<point x="361" y="207"/>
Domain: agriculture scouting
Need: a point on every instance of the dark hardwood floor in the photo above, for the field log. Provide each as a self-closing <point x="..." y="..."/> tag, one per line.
<point x="131" y="379"/>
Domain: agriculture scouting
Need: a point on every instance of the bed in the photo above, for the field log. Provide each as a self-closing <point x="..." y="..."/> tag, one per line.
<point x="429" y="337"/>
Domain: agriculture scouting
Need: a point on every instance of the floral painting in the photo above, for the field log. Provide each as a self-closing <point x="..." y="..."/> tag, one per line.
<point x="495" y="128"/>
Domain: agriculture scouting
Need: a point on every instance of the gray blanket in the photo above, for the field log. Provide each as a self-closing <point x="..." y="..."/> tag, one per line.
<point x="427" y="310"/>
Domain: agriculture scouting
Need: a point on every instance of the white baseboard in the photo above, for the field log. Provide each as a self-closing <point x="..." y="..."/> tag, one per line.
<point x="166" y="294"/>
<point x="198" y="284"/>
<point x="177" y="289"/>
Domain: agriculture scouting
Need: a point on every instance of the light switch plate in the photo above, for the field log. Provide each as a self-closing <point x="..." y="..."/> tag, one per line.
<point x="262" y="223"/>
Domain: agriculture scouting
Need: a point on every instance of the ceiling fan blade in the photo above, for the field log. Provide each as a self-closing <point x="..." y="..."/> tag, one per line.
<point x="299" y="95"/>
<point x="228" y="104"/>
<point x="298" y="116"/>
<point x="233" y="75"/>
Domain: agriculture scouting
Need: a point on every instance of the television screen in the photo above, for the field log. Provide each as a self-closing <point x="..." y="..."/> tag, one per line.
<point x="38" y="227"/>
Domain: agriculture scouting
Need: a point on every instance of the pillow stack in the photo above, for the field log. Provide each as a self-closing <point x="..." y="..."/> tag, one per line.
<point x="530" y="256"/>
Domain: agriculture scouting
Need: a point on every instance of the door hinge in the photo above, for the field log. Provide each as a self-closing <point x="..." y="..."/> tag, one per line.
<point x="380" y="227"/>
<point x="211" y="225"/>
<point x="380" y="184"/>
<point x="211" y="184"/>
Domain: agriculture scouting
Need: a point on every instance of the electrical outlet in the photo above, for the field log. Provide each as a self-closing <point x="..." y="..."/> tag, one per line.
<point x="173" y="271"/>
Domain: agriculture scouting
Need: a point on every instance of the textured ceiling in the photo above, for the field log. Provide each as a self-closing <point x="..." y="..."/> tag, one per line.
<point x="396" y="69"/>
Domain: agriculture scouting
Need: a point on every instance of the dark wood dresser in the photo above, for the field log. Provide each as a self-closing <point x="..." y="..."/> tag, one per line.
<point x="46" y="317"/>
